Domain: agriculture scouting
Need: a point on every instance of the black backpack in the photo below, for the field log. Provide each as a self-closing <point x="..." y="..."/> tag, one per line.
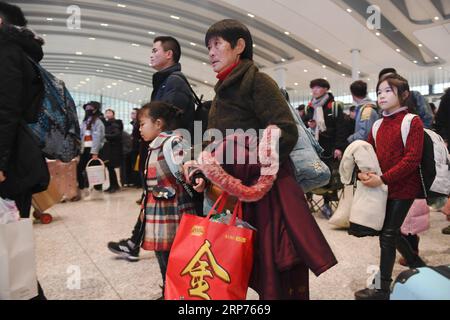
<point x="201" y="107"/>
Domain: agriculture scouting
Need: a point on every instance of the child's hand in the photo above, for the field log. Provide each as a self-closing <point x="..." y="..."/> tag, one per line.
<point x="363" y="176"/>
<point x="200" y="185"/>
<point x="374" y="181"/>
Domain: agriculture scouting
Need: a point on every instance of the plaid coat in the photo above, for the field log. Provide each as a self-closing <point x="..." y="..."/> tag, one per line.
<point x="162" y="216"/>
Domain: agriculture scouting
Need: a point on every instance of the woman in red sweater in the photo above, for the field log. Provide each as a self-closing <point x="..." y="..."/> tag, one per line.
<point x="400" y="167"/>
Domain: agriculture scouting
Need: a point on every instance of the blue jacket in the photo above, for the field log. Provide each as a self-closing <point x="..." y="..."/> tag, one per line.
<point x="423" y="109"/>
<point x="364" y="120"/>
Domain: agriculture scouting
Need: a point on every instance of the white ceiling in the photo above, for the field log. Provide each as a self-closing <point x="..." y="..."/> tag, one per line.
<point x="321" y="32"/>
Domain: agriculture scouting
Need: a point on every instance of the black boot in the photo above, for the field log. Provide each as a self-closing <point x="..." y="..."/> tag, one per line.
<point x="407" y="251"/>
<point x="162" y="296"/>
<point x="375" y="294"/>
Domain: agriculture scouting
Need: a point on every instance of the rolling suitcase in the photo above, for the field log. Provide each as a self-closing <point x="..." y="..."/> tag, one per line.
<point x="427" y="283"/>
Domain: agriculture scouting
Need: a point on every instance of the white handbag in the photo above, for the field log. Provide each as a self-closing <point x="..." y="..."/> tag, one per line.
<point x="97" y="174"/>
<point x="17" y="261"/>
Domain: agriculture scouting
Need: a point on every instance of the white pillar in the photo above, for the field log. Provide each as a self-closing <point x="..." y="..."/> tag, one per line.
<point x="355" y="63"/>
<point x="280" y="77"/>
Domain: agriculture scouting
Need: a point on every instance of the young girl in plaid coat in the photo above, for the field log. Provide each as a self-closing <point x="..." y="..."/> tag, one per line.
<point x="166" y="199"/>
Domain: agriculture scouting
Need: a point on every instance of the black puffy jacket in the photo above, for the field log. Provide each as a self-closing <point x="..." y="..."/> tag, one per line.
<point x="21" y="90"/>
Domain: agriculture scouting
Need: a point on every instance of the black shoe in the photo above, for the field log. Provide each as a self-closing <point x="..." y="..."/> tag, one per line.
<point x="372" y="294"/>
<point x="112" y="190"/>
<point x="125" y="249"/>
<point x="446" y="230"/>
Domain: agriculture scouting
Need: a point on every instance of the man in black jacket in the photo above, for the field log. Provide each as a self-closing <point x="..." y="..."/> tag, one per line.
<point x="169" y="85"/>
<point x="111" y="152"/>
<point x="23" y="170"/>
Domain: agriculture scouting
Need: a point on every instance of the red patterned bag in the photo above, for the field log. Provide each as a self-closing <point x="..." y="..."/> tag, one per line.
<point x="210" y="260"/>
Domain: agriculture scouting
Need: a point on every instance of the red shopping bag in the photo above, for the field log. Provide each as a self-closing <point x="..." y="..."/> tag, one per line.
<point x="210" y="260"/>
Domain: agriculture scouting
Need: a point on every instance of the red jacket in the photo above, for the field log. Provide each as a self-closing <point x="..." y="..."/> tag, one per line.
<point x="400" y="164"/>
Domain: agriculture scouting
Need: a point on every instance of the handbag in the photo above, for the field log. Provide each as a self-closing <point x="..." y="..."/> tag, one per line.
<point x="210" y="260"/>
<point x="310" y="171"/>
<point x="18" y="279"/>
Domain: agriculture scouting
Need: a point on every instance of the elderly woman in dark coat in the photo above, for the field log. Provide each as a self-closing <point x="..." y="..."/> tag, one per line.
<point x="289" y="241"/>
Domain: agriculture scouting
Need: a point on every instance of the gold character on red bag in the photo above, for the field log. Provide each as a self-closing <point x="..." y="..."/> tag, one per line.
<point x="199" y="269"/>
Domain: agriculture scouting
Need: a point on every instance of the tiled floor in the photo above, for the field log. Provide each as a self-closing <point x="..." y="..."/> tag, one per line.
<point x="73" y="247"/>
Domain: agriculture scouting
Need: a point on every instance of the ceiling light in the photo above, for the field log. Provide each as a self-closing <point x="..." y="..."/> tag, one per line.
<point x="287" y="33"/>
<point x="254" y="45"/>
<point x="79" y="53"/>
<point x="436" y="58"/>
<point x="82" y="82"/>
<point x="121" y="5"/>
<point x="377" y="34"/>
<point x="420" y="45"/>
<point x="120" y="80"/>
<point x="71" y="61"/>
<point x="339" y="63"/>
<point x="436" y="18"/>
<point x="251" y="15"/>
<point x="49" y="19"/>
<point x="193" y="44"/>
<point x="117" y="58"/>
<point x="175" y="17"/>
<point x="98" y="70"/>
<point x="129" y="76"/>
<point x="204" y="63"/>
<point x="368" y="79"/>
<point x="87" y="79"/>
<point x="325" y="78"/>
<point x="440" y="68"/>
<point x="349" y="10"/>
<point x="415" y="61"/>
<point x="91" y="38"/>
<point x="317" y="50"/>
<point x="138" y="71"/>
<point x="206" y="81"/>
<point x="135" y="45"/>
<point x="324" y="66"/>
<point x="305" y="70"/>
<point x="109" y="87"/>
<point x="151" y="32"/>
<point x="44" y="35"/>
<point x="131" y="91"/>
<point x="114" y="84"/>
<point x="137" y="89"/>
<point x="106" y="65"/>
<point x="343" y="74"/>
<point x="67" y="68"/>
<point x="398" y="50"/>
<point x="104" y="24"/>
<point x="283" y="60"/>
<point x="295" y="84"/>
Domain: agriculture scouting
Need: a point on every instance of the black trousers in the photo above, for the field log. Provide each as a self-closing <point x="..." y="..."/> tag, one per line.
<point x="391" y="238"/>
<point x="81" y="170"/>
<point x="113" y="183"/>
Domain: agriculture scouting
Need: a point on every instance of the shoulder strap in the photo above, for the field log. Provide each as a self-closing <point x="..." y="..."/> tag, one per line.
<point x="174" y="167"/>
<point x="406" y="126"/>
<point x="198" y="101"/>
<point x="375" y="127"/>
